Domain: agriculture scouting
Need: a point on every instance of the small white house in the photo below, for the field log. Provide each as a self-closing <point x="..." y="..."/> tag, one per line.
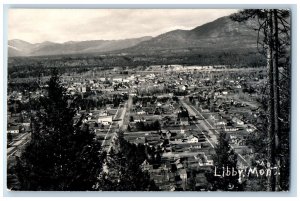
<point x="224" y="92"/>
<point x="221" y="123"/>
<point x="141" y="112"/>
<point x="192" y="139"/>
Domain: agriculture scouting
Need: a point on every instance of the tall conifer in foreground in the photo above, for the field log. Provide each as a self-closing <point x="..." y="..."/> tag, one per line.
<point x="60" y="155"/>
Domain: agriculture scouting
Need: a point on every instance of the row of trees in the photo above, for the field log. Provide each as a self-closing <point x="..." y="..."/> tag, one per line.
<point x="91" y="102"/>
<point x="153" y="126"/>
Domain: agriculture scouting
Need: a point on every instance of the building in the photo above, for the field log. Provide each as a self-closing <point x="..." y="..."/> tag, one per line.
<point x="105" y="120"/>
<point x="83" y="89"/>
<point x="103" y="113"/>
<point x="141" y="112"/>
<point x="13" y="129"/>
<point x="230" y="129"/>
<point x="184" y="121"/>
<point x="237" y="121"/>
<point x="204" y="160"/>
<point x="192" y="139"/>
<point x="221" y="123"/>
<point x="117" y="79"/>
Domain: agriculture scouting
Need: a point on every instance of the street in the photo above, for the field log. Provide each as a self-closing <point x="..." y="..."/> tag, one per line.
<point x="205" y="125"/>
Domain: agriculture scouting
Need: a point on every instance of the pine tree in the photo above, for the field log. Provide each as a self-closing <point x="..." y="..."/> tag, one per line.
<point x="224" y="159"/>
<point x="59" y="156"/>
<point x="273" y="41"/>
<point x="122" y="171"/>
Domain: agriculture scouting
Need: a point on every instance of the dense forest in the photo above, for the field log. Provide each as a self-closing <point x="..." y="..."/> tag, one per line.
<point x="38" y="66"/>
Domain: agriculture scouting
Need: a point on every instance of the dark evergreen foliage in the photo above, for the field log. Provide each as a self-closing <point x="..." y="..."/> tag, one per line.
<point x="124" y="168"/>
<point x="154" y="126"/>
<point x="223" y="159"/>
<point x="273" y="41"/>
<point x="60" y="155"/>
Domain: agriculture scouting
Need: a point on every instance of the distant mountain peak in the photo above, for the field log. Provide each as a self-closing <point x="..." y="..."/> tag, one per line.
<point x="220" y="34"/>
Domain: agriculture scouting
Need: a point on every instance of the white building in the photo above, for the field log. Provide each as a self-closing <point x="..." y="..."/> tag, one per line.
<point x="118" y="79"/>
<point x="224" y="92"/>
<point x="192" y="139"/>
<point x="13" y="129"/>
<point x="141" y="112"/>
<point x="105" y="120"/>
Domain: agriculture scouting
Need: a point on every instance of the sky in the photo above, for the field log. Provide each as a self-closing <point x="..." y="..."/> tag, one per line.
<point x="62" y="25"/>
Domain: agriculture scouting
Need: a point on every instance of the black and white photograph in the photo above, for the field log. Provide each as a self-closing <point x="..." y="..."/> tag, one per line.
<point x="106" y="99"/>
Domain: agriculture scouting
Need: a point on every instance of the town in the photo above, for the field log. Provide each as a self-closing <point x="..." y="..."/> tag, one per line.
<point x="178" y="111"/>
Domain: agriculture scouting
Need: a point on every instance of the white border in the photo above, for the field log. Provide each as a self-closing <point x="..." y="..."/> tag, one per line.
<point x="212" y="4"/>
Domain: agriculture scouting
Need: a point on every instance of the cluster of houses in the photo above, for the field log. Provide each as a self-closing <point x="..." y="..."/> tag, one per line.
<point x="185" y="155"/>
<point x="184" y="171"/>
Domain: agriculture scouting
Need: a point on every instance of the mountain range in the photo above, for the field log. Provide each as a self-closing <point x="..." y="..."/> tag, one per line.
<point x="221" y="34"/>
<point x="18" y="47"/>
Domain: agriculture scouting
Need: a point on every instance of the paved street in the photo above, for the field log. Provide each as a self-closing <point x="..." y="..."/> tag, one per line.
<point x="117" y="126"/>
<point x="205" y="125"/>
